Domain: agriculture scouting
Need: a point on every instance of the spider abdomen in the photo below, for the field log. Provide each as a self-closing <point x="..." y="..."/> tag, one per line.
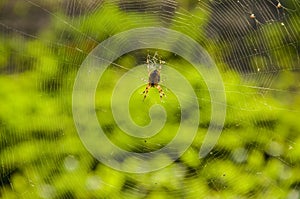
<point x="154" y="78"/>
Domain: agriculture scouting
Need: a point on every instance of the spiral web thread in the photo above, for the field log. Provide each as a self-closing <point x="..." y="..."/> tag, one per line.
<point x="255" y="45"/>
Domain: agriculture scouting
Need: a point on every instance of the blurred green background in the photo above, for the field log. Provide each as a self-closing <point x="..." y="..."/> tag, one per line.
<point x="43" y="44"/>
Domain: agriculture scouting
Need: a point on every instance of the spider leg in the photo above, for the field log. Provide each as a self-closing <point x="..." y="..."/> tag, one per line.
<point x="161" y="92"/>
<point x="146" y="91"/>
<point x="148" y="63"/>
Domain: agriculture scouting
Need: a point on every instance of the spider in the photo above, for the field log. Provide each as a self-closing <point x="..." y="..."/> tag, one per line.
<point x="154" y="75"/>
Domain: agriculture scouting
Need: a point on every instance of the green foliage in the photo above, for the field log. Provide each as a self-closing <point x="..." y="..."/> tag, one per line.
<point x="41" y="155"/>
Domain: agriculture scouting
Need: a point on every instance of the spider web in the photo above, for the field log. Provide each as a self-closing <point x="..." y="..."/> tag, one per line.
<point x="255" y="45"/>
